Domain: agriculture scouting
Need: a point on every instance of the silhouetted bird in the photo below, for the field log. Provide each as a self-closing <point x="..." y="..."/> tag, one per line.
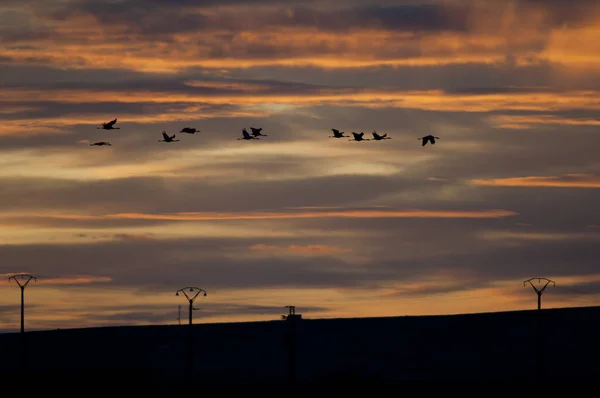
<point x="166" y="138"/>
<point x="257" y="132"/>
<point x="247" y="136"/>
<point x="189" y="130"/>
<point x="358" y="137"/>
<point x="378" y="137"/>
<point x="337" y="134"/>
<point x="109" y="126"/>
<point x="101" y="143"/>
<point x="428" y="138"/>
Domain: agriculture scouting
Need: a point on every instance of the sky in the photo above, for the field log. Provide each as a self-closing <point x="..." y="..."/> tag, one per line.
<point x="509" y="191"/>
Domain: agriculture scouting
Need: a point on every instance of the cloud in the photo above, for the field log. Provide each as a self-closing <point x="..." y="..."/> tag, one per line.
<point x="191" y="216"/>
<point x="45" y="279"/>
<point x="566" y="181"/>
<point x="182" y="35"/>
<point x="297" y="249"/>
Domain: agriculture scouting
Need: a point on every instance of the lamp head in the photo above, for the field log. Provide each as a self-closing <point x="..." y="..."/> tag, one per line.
<point x="177" y="293"/>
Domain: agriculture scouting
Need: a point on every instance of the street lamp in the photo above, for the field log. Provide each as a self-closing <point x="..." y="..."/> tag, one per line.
<point x="191" y="297"/>
<point x="23" y="282"/>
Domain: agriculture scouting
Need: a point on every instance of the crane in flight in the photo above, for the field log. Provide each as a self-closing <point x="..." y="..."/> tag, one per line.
<point x="100" y="143"/>
<point x="428" y="138"/>
<point x="109" y="126"/>
<point x="358" y="137"/>
<point x="378" y="137"/>
<point x="166" y="137"/>
<point x="257" y="132"/>
<point x="337" y="134"/>
<point x="247" y="136"/>
<point x="189" y="130"/>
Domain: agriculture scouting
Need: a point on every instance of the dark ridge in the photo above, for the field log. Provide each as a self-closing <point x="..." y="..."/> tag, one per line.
<point x="499" y="349"/>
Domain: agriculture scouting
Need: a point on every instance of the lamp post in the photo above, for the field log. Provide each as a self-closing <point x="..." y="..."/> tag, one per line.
<point x="190" y="298"/>
<point x="22" y="280"/>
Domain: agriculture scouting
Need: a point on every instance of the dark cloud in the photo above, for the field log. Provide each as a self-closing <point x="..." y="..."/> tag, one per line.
<point x="130" y="194"/>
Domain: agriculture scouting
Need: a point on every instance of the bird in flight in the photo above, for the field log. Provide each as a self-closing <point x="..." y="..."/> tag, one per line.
<point x="337" y="134"/>
<point x="100" y="143"/>
<point x="428" y="138"/>
<point x="109" y="126"/>
<point x="166" y="137"/>
<point x="358" y="137"/>
<point x="257" y="132"/>
<point x="378" y="137"/>
<point x="189" y="130"/>
<point x="247" y="136"/>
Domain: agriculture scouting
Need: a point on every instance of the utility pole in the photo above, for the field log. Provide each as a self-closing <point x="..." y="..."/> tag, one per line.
<point x="191" y="298"/>
<point x="193" y="293"/>
<point x="22" y="280"/>
<point x="539" y="292"/>
<point x="539" y="340"/>
<point x="291" y="333"/>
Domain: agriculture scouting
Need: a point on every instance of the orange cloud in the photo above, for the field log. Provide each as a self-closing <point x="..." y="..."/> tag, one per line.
<point x="310" y="249"/>
<point x="520" y="122"/>
<point x="566" y="181"/>
<point x="61" y="280"/>
<point x="497" y="31"/>
<point x="262" y="103"/>
<point x="210" y="216"/>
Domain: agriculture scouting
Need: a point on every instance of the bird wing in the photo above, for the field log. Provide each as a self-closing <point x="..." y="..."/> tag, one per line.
<point x="425" y="139"/>
<point x="356" y="135"/>
<point x="165" y="136"/>
<point x="245" y="133"/>
<point x="335" y="131"/>
<point x="375" y="135"/>
<point x="111" y="123"/>
<point x="432" y="140"/>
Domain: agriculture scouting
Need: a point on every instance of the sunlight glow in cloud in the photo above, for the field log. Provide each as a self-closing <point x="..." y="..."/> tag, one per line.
<point x="566" y="181"/>
<point x="198" y="216"/>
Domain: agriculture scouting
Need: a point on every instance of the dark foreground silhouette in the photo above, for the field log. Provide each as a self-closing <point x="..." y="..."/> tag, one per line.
<point x="302" y="355"/>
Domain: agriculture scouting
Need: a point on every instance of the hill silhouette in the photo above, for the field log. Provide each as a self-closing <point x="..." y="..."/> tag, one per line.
<point x="486" y="347"/>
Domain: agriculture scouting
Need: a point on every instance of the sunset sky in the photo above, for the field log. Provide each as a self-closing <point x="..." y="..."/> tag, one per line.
<point x="510" y="191"/>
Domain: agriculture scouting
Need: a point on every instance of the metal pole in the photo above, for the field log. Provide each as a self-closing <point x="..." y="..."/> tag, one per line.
<point x="190" y="299"/>
<point x="19" y="278"/>
<point x="539" y="342"/>
<point x="22" y="309"/>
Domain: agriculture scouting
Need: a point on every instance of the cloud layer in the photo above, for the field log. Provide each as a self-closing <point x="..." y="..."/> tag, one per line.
<point x="337" y="228"/>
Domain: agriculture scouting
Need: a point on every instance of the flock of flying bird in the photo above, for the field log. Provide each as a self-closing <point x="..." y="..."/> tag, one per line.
<point x="257" y="132"/>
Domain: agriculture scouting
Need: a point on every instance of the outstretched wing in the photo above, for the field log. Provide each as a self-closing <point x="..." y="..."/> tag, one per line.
<point x="245" y="133"/>
<point x="376" y="136"/>
<point x="111" y="123"/>
<point x="335" y="131"/>
<point x="165" y="136"/>
<point x="356" y="136"/>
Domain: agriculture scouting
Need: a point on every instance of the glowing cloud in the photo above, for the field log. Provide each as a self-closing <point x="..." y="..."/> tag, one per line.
<point x="296" y="249"/>
<point x="566" y="181"/>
